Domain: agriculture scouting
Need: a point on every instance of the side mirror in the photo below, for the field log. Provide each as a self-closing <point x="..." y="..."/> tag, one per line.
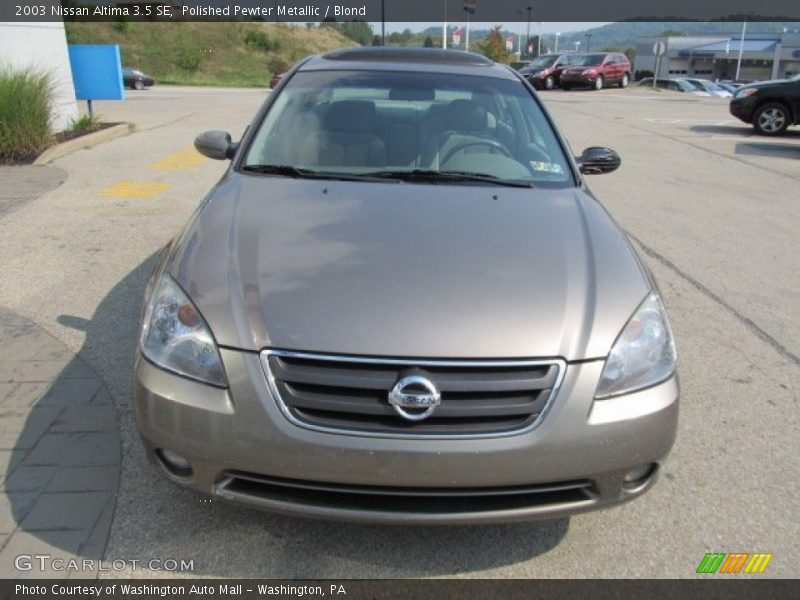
<point x="215" y="144"/>
<point x="597" y="160"/>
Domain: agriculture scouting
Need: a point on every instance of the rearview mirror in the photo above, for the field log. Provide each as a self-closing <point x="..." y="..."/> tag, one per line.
<point x="215" y="144"/>
<point x="597" y="160"/>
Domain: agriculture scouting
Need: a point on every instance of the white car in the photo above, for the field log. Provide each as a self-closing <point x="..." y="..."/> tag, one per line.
<point x="709" y="86"/>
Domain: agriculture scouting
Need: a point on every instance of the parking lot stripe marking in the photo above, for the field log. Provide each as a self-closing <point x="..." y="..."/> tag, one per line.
<point x="179" y="161"/>
<point x="135" y="189"/>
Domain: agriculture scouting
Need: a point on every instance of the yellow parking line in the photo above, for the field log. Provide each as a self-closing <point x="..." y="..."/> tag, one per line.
<point x="135" y="189"/>
<point x="180" y="161"/>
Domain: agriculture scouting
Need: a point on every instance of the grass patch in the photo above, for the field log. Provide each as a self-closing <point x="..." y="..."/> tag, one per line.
<point x="26" y="97"/>
<point x="85" y="122"/>
<point x="229" y="54"/>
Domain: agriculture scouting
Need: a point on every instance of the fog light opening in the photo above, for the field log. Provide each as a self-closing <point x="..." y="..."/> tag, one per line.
<point x="174" y="462"/>
<point x="636" y="478"/>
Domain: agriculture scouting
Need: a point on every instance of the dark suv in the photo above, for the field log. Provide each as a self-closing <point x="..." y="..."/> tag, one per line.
<point x="770" y="106"/>
<point x="544" y="72"/>
<point x="597" y="70"/>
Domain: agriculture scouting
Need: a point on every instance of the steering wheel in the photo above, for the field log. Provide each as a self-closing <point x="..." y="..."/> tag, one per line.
<point x="470" y="143"/>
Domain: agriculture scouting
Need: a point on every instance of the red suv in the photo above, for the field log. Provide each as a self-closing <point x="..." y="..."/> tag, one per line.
<point x="544" y="72"/>
<point x="597" y="70"/>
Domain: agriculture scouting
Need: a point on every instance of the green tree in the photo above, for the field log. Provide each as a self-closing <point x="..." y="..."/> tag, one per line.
<point x="358" y="31"/>
<point x="493" y="46"/>
<point x="428" y="43"/>
<point x="672" y="33"/>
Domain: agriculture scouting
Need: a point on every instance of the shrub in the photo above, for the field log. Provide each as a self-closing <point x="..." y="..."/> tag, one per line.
<point x="26" y="98"/>
<point x="188" y="56"/>
<point x="261" y="41"/>
<point x="277" y="64"/>
<point x="122" y="26"/>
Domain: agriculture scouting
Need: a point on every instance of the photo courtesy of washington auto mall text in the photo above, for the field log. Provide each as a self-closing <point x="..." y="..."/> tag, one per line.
<point x="106" y="590"/>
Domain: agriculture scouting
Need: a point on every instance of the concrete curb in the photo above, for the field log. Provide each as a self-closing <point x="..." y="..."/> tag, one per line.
<point x="84" y="142"/>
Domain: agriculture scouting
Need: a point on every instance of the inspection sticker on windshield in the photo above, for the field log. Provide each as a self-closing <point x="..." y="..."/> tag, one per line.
<point x="547" y="167"/>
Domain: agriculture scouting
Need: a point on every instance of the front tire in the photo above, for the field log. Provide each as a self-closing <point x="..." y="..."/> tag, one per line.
<point x="624" y="81"/>
<point x="771" y="119"/>
<point x="549" y="83"/>
<point x="598" y="83"/>
<point x="138" y="85"/>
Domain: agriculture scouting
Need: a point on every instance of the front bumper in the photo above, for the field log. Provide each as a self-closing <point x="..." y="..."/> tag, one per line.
<point x="578" y="80"/>
<point x="743" y="108"/>
<point x="241" y="447"/>
<point x="537" y="82"/>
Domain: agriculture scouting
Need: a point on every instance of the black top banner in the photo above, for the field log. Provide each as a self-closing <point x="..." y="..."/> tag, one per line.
<point x="435" y="11"/>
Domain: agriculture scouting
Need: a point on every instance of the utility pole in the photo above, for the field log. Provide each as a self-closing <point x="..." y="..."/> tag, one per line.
<point x="558" y="33"/>
<point x="383" y="22"/>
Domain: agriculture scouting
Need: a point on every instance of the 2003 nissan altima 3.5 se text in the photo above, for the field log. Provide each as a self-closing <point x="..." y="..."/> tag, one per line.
<point x="401" y="304"/>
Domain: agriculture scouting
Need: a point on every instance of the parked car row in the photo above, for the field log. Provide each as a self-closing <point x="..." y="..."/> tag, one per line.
<point x="696" y="87"/>
<point x="578" y="69"/>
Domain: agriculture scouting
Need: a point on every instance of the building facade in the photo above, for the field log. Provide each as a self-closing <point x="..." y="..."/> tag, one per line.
<point x="715" y="57"/>
<point x="42" y="47"/>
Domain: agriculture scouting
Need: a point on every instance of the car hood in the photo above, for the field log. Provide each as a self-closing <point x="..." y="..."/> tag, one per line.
<point x="766" y="84"/>
<point x="412" y="270"/>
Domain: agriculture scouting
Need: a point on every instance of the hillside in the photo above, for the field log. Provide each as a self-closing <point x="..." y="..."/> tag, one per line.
<point x="202" y="53"/>
<point x="621" y="35"/>
<point x="626" y="33"/>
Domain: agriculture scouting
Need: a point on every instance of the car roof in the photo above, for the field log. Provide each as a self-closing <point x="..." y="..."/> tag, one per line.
<point x="423" y="60"/>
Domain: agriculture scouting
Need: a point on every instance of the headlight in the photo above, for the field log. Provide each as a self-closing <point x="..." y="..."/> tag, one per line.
<point x="588" y="72"/>
<point x="175" y="336"/>
<point x="643" y="355"/>
<point x="746" y="92"/>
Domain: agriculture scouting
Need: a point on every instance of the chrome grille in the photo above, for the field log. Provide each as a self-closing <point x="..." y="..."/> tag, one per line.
<point x="348" y="394"/>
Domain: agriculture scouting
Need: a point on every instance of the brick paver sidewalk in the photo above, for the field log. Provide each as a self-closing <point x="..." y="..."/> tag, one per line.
<point x="59" y="450"/>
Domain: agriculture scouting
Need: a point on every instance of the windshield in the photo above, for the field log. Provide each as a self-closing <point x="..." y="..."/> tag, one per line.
<point x="542" y="62"/>
<point x="588" y="60"/>
<point x="375" y="123"/>
<point x="796" y="77"/>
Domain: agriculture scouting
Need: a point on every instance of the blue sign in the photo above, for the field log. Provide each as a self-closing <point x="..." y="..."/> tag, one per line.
<point x="97" y="72"/>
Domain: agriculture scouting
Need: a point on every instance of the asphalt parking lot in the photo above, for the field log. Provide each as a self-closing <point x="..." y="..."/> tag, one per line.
<point x="715" y="212"/>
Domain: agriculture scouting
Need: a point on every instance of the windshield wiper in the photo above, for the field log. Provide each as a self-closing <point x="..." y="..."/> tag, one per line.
<point x="291" y="171"/>
<point x="448" y="176"/>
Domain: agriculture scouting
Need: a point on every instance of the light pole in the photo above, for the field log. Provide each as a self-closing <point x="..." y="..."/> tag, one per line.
<point x="539" y="40"/>
<point x="558" y="33"/>
<point x="444" y="25"/>
<point x="588" y="42"/>
<point x="741" y="49"/>
<point x="528" y="34"/>
<point x="577" y="46"/>
<point x="469" y="8"/>
<point x="383" y="22"/>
